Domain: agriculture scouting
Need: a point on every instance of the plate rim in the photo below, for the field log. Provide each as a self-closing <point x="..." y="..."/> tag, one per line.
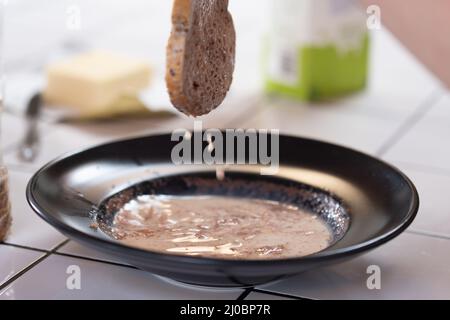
<point x="325" y="255"/>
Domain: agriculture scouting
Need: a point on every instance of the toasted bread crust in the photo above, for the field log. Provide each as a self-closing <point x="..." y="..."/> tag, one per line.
<point x="200" y="55"/>
<point x="5" y="223"/>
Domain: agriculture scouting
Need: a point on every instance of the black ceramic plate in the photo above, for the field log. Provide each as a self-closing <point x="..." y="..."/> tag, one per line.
<point x="375" y="201"/>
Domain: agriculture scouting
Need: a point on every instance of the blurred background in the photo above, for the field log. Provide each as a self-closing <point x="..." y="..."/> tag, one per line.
<point x="37" y="33"/>
<point x="360" y="100"/>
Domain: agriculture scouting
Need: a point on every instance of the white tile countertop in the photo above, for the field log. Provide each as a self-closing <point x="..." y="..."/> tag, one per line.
<point x="403" y="117"/>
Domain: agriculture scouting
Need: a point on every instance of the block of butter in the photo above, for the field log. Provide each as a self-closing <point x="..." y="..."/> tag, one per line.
<point x="97" y="83"/>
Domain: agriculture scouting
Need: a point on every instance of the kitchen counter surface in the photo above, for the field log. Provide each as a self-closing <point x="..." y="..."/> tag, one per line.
<point x="403" y="118"/>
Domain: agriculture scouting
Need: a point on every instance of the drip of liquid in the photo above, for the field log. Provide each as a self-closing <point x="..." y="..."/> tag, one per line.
<point x="220" y="174"/>
<point x="220" y="227"/>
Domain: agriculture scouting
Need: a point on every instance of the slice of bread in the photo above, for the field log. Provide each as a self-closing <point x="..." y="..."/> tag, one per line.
<point x="200" y="55"/>
<point x="5" y="221"/>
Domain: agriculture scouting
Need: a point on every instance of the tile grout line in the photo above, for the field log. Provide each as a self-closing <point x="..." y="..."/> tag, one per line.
<point x="284" y="295"/>
<point x="244" y="294"/>
<point x="427" y="169"/>
<point x="54" y="251"/>
<point x="23" y="271"/>
<point x="429" y="234"/>
<point x="241" y="297"/>
<point x="24" y="247"/>
<point x="70" y="255"/>
<point x="60" y="245"/>
<point x="117" y="264"/>
<point x="410" y="122"/>
<point x="31" y="265"/>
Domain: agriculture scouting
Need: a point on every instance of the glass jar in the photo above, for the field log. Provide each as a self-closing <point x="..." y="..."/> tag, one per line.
<point x="316" y="49"/>
<point x="5" y="206"/>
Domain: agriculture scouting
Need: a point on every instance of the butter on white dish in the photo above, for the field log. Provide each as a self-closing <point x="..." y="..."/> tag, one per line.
<point x="99" y="83"/>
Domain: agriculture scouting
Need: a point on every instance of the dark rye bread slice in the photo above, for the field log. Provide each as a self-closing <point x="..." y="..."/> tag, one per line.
<point x="200" y="55"/>
<point x="5" y="207"/>
<point x="5" y="222"/>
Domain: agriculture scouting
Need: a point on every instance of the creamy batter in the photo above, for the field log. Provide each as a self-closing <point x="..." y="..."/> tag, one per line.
<point x="220" y="227"/>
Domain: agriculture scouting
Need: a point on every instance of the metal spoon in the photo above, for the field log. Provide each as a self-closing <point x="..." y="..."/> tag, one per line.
<point x="29" y="147"/>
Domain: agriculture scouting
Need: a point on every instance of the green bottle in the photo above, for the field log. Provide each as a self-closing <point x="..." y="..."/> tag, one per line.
<point x="316" y="49"/>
